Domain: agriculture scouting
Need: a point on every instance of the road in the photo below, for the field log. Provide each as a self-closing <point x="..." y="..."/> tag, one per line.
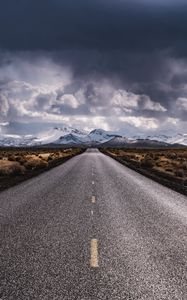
<point x="92" y="229"/>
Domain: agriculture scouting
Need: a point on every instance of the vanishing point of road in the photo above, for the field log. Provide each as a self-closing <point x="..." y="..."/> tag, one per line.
<point x="92" y="229"/>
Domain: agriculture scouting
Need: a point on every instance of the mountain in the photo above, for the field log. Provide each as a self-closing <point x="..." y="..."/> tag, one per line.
<point x="93" y="138"/>
<point x="133" y="143"/>
<point x="54" y="135"/>
<point x="101" y="136"/>
<point x="68" y="136"/>
<point x="176" y="139"/>
<point x="118" y="142"/>
<point x="12" y="140"/>
<point x="60" y="135"/>
<point x="70" y="139"/>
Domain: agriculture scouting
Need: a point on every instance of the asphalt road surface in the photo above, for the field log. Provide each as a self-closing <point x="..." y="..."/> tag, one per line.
<point x="92" y="229"/>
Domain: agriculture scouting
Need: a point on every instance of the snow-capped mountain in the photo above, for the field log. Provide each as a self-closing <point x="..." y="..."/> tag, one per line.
<point x="130" y="143"/>
<point x="176" y="139"/>
<point x="61" y="135"/>
<point x="101" y="136"/>
<point x="98" y="137"/>
<point x="12" y="140"/>
<point x="95" y="137"/>
<point x="119" y="141"/>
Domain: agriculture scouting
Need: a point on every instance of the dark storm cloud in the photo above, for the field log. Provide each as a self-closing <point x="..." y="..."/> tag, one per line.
<point x="138" y="46"/>
<point x="126" y="39"/>
<point x="99" y="24"/>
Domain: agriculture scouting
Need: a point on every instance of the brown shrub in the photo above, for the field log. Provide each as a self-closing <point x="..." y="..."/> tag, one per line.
<point x="50" y="157"/>
<point x="11" y="157"/>
<point x="21" y="160"/>
<point x="171" y="155"/>
<point x="11" y="169"/>
<point x="147" y="163"/>
<point x="179" y="173"/>
<point x="35" y="164"/>
<point x="156" y="157"/>
<point x="185" y="155"/>
<point x="184" y="166"/>
<point x="126" y="157"/>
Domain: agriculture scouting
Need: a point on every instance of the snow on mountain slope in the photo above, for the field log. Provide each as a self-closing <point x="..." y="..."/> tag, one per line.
<point x="71" y="136"/>
<point x="96" y="136"/>
<point x="159" y="138"/>
<point x="70" y="139"/>
<point x="176" y="139"/>
<point x="119" y="142"/>
<point x="54" y="135"/>
<point x="12" y="140"/>
<point x="51" y="136"/>
<point x="101" y="136"/>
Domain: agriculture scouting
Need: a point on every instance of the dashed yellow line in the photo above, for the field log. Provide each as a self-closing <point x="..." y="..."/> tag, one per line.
<point x="94" y="261"/>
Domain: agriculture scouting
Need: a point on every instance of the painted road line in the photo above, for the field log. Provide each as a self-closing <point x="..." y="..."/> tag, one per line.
<point x="92" y="212"/>
<point x="93" y="199"/>
<point x="93" y="182"/>
<point x="94" y="261"/>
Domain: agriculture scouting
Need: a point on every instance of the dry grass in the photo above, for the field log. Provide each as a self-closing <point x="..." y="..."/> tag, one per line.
<point x="11" y="161"/>
<point x="167" y="162"/>
<point x="9" y="168"/>
<point x="19" y="164"/>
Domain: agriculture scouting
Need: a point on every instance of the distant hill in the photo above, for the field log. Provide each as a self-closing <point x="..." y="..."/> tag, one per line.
<point x="71" y="137"/>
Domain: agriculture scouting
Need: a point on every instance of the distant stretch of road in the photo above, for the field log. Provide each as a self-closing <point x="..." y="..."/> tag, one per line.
<point x="92" y="229"/>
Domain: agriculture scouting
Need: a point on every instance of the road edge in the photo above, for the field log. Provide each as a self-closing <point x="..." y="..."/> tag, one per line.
<point x="15" y="180"/>
<point x="172" y="185"/>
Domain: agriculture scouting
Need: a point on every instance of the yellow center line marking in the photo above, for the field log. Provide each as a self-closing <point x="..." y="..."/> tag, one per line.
<point x="94" y="261"/>
<point x="93" y="199"/>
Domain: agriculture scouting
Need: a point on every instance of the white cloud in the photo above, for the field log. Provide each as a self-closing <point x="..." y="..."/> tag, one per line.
<point x="122" y="98"/>
<point x="39" y="90"/>
<point x="141" y="122"/>
<point x="69" y="100"/>
<point x="154" y="106"/>
<point x="182" y="103"/>
<point x="129" y="101"/>
<point x="98" y="122"/>
<point x="39" y="70"/>
<point x="4" y="124"/>
<point x="4" y="105"/>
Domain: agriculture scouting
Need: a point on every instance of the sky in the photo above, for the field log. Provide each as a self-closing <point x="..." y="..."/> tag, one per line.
<point x="119" y="65"/>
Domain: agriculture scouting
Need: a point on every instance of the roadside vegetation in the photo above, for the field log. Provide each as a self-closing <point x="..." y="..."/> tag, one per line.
<point x="168" y="166"/>
<point x="17" y="165"/>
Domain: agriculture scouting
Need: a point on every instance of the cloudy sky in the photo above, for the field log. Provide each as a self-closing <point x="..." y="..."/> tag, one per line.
<point x="120" y="65"/>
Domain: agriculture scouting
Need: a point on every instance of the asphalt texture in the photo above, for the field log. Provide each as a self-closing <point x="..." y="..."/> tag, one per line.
<point x="48" y="222"/>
